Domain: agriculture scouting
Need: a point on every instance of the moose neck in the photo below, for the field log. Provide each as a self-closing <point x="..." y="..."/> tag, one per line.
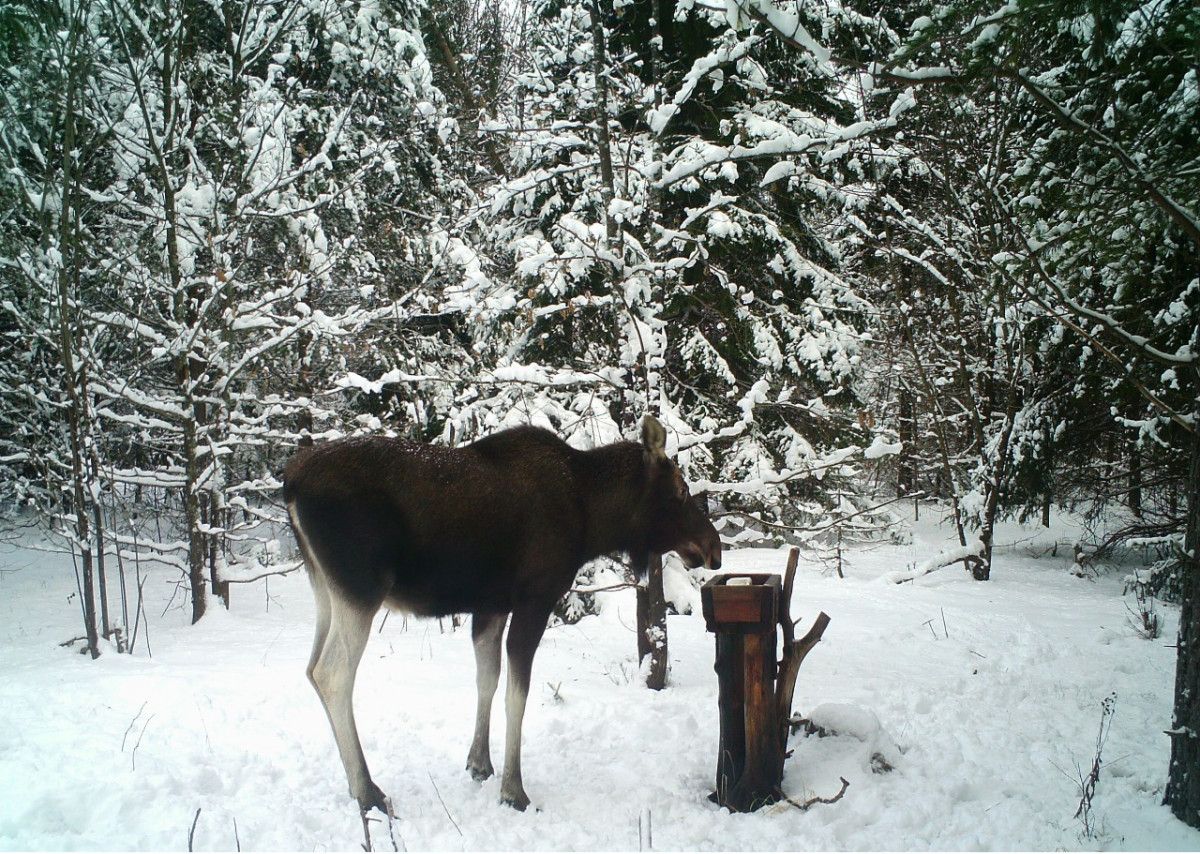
<point x="613" y="481"/>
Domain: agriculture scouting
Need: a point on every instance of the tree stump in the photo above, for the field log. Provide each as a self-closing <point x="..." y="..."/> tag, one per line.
<point x="754" y="690"/>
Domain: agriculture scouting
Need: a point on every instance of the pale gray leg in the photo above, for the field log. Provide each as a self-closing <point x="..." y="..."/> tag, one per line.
<point x="512" y="789"/>
<point x="486" y="632"/>
<point x="320" y="588"/>
<point x="333" y="676"/>
<point x="524" y="634"/>
<point x="321" y="594"/>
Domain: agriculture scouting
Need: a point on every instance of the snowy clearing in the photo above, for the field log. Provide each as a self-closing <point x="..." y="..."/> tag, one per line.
<point x="985" y="697"/>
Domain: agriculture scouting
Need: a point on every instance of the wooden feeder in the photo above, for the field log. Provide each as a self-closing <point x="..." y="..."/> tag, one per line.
<point x="754" y="690"/>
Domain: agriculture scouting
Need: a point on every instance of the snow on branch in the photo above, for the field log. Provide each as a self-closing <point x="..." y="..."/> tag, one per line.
<point x="524" y="374"/>
<point x="816" y="469"/>
<point x="974" y="551"/>
<point x="657" y="118"/>
<point x="1178" y="212"/>
<point x="785" y="24"/>
<point x="1070" y="120"/>
<point x="776" y="140"/>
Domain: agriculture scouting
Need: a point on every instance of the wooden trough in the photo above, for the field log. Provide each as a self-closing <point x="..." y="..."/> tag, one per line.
<point x="755" y="690"/>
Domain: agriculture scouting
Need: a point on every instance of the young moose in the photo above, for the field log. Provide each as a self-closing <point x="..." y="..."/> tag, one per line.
<point x="494" y="528"/>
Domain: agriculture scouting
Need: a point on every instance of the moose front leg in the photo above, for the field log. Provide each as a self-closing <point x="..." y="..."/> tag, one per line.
<point x="486" y="631"/>
<point x="524" y="635"/>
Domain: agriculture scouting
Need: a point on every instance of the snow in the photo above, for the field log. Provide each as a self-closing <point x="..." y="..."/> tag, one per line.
<point x="783" y="22"/>
<point x="881" y="447"/>
<point x="782" y="169"/>
<point x="942" y="558"/>
<point x="985" y="698"/>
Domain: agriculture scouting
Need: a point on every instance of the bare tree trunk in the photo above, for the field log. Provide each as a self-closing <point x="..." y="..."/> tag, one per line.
<point x="474" y="109"/>
<point x="603" y="135"/>
<point x="74" y="374"/>
<point x="1183" y="773"/>
<point x="906" y="477"/>
<point x="218" y="523"/>
<point x="191" y="512"/>
<point x="652" y="625"/>
<point x="1135" y="479"/>
<point x="101" y="575"/>
<point x="999" y="470"/>
<point x="186" y="370"/>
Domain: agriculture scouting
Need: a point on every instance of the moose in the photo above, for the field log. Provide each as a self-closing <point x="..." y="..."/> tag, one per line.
<point x="497" y="527"/>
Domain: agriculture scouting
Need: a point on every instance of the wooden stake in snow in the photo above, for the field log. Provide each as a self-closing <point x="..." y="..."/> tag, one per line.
<point x="754" y="690"/>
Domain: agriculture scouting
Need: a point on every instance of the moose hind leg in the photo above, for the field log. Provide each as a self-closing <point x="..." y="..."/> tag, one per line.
<point x="486" y="632"/>
<point x="524" y="635"/>
<point x="321" y="636"/>
<point x="333" y="674"/>
<point x="320" y="588"/>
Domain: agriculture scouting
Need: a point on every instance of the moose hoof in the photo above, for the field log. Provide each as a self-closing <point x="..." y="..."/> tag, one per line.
<point x="519" y="801"/>
<point x="374" y="798"/>
<point x="480" y="771"/>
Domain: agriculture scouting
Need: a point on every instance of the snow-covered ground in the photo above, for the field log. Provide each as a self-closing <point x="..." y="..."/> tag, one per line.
<point x="986" y="699"/>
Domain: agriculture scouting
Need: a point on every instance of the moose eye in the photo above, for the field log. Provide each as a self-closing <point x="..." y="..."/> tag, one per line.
<point x="681" y="489"/>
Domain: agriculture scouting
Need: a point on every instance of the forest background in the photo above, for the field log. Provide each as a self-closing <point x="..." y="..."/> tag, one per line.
<point x="848" y="253"/>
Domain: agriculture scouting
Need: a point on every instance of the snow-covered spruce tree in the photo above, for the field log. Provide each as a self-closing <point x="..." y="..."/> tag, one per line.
<point x="1065" y="189"/>
<point x="659" y="245"/>
<point x="672" y="185"/>
<point x="775" y="181"/>
<point x="366" y="137"/>
<point x="1110" y="235"/>
<point x="28" y="346"/>
<point x="418" y="222"/>
<point x="603" y="287"/>
<point x="474" y="47"/>
<point x="1089" y="242"/>
<point x="313" y="144"/>
<point x="1013" y="188"/>
<point x="1101" y="212"/>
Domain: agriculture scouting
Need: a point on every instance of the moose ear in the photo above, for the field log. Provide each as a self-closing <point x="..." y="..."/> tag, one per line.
<point x="654" y="437"/>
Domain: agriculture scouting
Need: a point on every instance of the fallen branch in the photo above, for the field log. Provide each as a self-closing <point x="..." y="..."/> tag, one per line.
<point x="813" y="801"/>
<point x="250" y="579"/>
<point x="604" y="588"/>
<point x="969" y="553"/>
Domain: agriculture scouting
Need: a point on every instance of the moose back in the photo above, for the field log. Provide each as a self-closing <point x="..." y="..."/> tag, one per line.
<point x="494" y="528"/>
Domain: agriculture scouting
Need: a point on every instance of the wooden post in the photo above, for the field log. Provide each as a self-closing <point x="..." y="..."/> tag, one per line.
<point x="731" y="708"/>
<point x="754" y="691"/>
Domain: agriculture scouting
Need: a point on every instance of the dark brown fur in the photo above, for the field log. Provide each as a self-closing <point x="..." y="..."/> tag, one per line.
<point x="497" y="527"/>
